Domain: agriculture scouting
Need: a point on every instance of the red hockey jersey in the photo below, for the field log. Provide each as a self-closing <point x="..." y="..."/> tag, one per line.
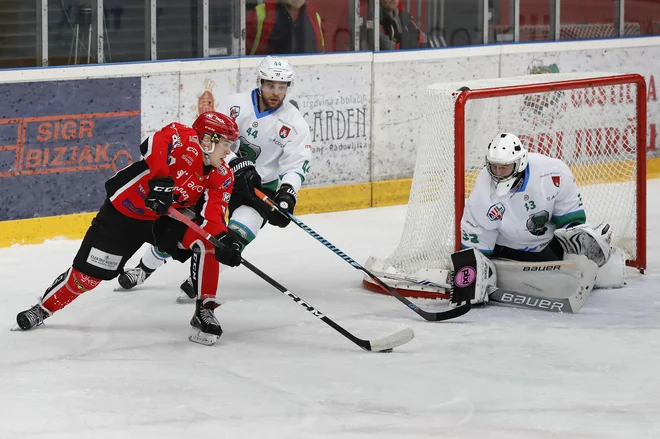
<point x="174" y="150"/>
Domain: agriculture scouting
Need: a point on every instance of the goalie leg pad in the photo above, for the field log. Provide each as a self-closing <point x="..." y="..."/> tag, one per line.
<point x="613" y="273"/>
<point x="431" y="283"/>
<point x="588" y="270"/>
<point x="562" y="285"/>
<point x="595" y="244"/>
<point x="474" y="273"/>
<point x="551" y="279"/>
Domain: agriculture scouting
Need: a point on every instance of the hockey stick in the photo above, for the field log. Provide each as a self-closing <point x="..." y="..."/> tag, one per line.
<point x="414" y="280"/>
<point x="385" y="344"/>
<point x="430" y="316"/>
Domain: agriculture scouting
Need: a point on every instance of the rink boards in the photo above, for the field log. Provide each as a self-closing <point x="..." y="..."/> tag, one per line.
<point x="64" y="131"/>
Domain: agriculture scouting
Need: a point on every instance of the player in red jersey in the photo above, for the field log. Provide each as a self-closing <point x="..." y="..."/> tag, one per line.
<point x="181" y="167"/>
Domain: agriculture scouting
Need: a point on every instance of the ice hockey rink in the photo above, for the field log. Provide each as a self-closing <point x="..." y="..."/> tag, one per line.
<point x="119" y="364"/>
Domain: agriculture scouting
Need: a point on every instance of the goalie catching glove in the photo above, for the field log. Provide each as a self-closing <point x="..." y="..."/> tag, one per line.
<point x="594" y="243"/>
<point x="285" y="198"/>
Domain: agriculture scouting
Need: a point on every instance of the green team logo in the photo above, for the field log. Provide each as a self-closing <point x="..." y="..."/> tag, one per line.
<point x="248" y="150"/>
<point x="539" y="67"/>
<point x="537" y="221"/>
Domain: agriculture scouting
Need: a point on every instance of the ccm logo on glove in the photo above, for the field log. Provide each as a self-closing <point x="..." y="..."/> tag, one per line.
<point x="160" y="196"/>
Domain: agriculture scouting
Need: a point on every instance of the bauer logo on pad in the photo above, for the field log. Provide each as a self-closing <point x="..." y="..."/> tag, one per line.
<point x="495" y="212"/>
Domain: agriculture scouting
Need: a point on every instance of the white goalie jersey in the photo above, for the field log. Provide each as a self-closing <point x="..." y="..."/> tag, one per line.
<point x="526" y="219"/>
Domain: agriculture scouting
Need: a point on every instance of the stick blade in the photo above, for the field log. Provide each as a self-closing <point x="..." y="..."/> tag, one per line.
<point x="390" y="342"/>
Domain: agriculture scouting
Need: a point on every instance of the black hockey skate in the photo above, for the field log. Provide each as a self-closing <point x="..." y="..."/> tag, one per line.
<point x="205" y="328"/>
<point x="134" y="276"/>
<point x="32" y="317"/>
<point x="187" y="294"/>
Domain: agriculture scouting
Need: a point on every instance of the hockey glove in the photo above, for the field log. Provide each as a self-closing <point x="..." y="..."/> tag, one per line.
<point x="581" y="239"/>
<point x="229" y="253"/>
<point x="160" y="196"/>
<point x="286" y="198"/>
<point x="246" y="178"/>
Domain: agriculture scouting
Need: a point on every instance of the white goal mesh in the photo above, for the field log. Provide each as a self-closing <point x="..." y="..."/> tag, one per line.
<point x="593" y="129"/>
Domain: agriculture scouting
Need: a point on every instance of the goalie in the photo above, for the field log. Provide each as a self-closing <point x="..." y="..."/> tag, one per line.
<point x="525" y="238"/>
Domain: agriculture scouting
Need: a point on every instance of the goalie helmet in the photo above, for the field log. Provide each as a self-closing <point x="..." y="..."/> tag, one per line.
<point x="274" y="68"/>
<point x="506" y="149"/>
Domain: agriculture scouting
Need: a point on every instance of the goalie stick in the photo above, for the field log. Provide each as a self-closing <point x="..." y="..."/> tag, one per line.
<point x="570" y="304"/>
<point x="385" y="344"/>
<point x="430" y="316"/>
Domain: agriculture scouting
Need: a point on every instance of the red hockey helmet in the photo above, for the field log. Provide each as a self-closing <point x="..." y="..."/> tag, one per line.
<point x="216" y="125"/>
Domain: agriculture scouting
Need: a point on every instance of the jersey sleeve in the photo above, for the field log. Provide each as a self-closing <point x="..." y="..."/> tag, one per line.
<point x="568" y="208"/>
<point x="215" y="201"/>
<point x="295" y="162"/>
<point x="481" y="218"/>
<point x="157" y="148"/>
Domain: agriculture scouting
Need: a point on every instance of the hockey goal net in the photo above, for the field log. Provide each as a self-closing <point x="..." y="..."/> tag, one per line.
<point x="595" y="123"/>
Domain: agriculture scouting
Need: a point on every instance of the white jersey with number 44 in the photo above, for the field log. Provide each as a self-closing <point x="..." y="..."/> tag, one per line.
<point x="524" y="219"/>
<point x="278" y="141"/>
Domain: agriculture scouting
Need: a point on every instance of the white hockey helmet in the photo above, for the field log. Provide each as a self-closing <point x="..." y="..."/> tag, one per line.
<point x="275" y="68"/>
<point x="506" y="149"/>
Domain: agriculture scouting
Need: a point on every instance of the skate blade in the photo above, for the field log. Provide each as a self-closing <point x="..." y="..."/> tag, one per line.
<point x="184" y="299"/>
<point x="197" y="336"/>
<point x="17" y="328"/>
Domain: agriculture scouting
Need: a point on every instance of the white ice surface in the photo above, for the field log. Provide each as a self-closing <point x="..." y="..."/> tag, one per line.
<point x="119" y="365"/>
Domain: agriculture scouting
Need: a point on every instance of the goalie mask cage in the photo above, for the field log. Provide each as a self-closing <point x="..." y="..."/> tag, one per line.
<point x="594" y="122"/>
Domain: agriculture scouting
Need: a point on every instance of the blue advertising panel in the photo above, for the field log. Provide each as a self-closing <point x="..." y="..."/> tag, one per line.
<point x="60" y="141"/>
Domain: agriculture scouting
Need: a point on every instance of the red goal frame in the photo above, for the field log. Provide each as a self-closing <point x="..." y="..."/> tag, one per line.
<point x="459" y="138"/>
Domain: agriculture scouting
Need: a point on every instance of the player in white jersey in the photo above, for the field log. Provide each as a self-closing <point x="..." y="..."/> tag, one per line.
<point x="515" y="207"/>
<point x="273" y="154"/>
<point x="525" y="207"/>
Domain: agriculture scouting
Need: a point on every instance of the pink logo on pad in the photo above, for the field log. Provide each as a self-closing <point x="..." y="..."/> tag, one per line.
<point x="465" y="276"/>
